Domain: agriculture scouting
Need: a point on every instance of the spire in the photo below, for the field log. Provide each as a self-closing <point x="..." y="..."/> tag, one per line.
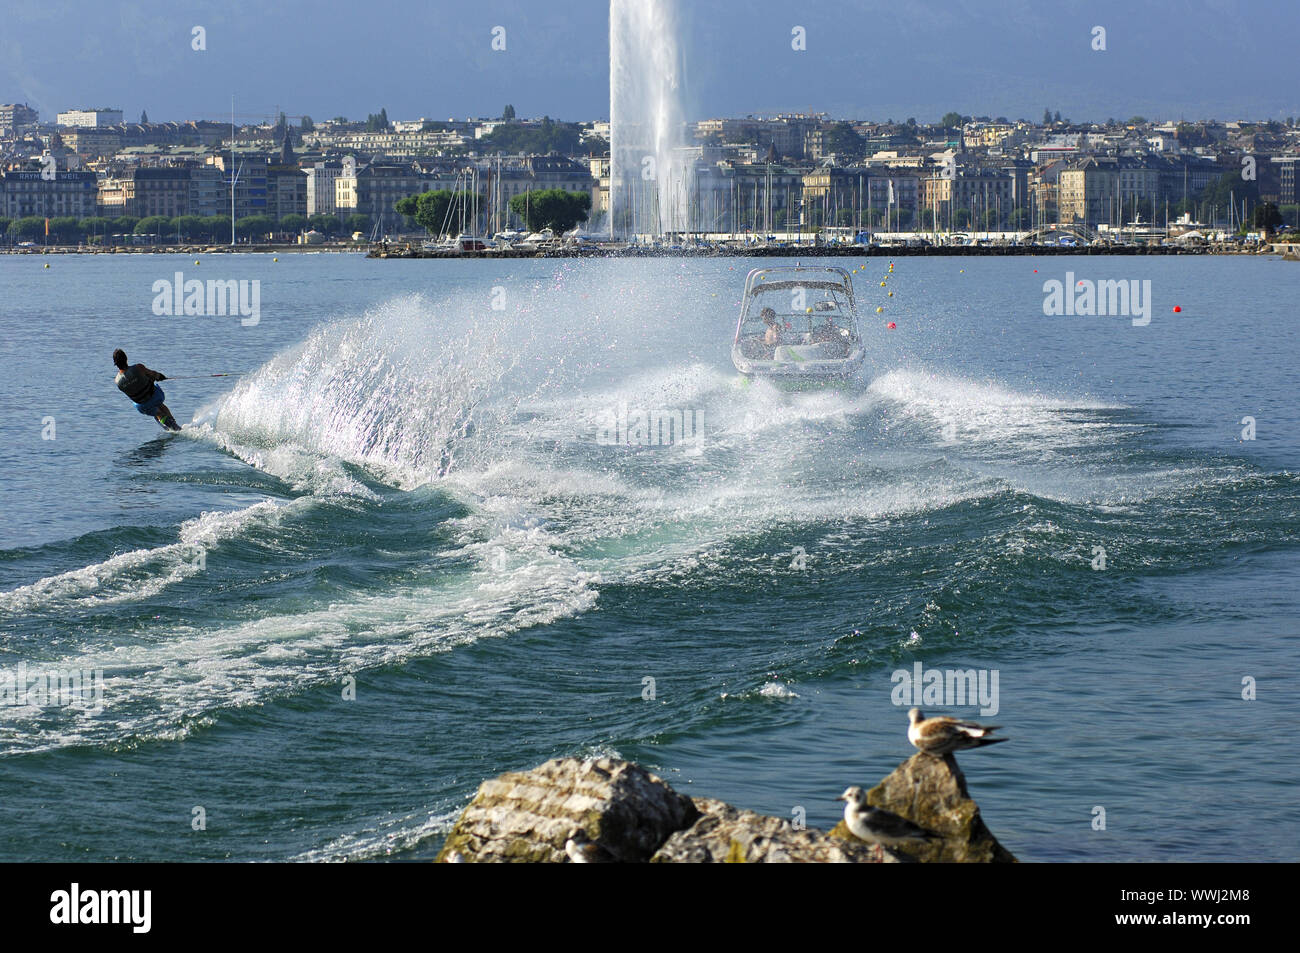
<point x="286" y="147"/>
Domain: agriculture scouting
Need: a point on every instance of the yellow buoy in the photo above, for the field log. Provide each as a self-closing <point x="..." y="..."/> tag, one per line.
<point x="882" y="284"/>
<point x="878" y="310"/>
<point x="275" y="259"/>
<point x="47" y="264"/>
<point x="196" y="261"/>
<point x="891" y="294"/>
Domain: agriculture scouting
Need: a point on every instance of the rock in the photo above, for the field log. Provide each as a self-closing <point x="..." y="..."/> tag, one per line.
<point x="615" y="811"/>
<point x="727" y="835"/>
<point x="932" y="792"/>
<point x="527" y="816"/>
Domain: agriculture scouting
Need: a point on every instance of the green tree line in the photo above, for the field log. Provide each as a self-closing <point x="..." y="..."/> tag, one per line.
<point x="447" y="212"/>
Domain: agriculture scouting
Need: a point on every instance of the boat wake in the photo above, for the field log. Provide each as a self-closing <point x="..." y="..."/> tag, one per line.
<point x="488" y="426"/>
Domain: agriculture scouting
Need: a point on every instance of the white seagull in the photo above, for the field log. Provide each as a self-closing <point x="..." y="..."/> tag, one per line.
<point x="942" y="735"/>
<point x="878" y="826"/>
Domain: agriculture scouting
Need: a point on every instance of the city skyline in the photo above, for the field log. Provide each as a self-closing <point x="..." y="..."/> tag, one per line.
<point x="1212" y="59"/>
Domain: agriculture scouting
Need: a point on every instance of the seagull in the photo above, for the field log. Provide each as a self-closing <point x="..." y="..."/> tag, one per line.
<point x="941" y="735"/>
<point x="581" y="849"/>
<point x="877" y="826"/>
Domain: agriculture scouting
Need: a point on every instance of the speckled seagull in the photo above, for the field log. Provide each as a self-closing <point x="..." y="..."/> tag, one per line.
<point x="878" y="826"/>
<point x="941" y="735"/>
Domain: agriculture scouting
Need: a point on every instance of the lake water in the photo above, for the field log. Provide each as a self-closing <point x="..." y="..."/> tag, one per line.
<point x="395" y="556"/>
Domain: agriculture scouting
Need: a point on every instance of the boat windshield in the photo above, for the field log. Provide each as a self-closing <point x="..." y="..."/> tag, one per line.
<point x="804" y="313"/>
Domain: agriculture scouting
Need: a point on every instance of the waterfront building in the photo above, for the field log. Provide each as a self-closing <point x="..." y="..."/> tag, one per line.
<point x="28" y="192"/>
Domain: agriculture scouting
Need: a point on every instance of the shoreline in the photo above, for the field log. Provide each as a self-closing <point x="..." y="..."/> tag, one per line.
<point x="810" y="251"/>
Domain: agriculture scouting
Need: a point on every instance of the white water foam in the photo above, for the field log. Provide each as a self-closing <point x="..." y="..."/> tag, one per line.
<point x="141" y="573"/>
<point x="985" y="412"/>
<point x="156" y="689"/>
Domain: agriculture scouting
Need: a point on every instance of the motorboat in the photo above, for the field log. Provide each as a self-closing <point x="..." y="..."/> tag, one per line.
<point x="798" y="325"/>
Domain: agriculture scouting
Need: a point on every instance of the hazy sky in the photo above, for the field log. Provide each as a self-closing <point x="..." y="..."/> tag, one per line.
<point x="864" y="59"/>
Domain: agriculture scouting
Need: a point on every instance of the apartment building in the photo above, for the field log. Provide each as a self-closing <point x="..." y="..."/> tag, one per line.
<point x="16" y="116"/>
<point x="89" y="118"/>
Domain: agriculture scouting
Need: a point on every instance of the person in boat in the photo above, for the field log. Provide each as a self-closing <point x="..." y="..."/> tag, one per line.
<point x="773" y="336"/>
<point x="141" y="385"/>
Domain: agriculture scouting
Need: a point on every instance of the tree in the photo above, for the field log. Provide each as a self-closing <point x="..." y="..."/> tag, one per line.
<point x="4" y="224"/>
<point x="508" y="112"/>
<point x="1047" y="117"/>
<point x="153" y="225"/>
<point x="992" y="220"/>
<point x="29" y="228"/>
<point x="306" y="125"/>
<point x="123" y="224"/>
<point x="1267" y="216"/>
<point x="293" y="222"/>
<point x="325" y="224"/>
<point x="93" y="228"/>
<point x="358" y="223"/>
<point x="377" y="122"/>
<point x="438" y="212"/>
<point x="1057" y="117"/>
<point x="961" y="218"/>
<point x="255" y="226"/>
<point x="951" y="120"/>
<point x="144" y="117"/>
<point x="189" y="226"/>
<point x="842" y="140"/>
<point x="66" y="230"/>
<point x="552" y="208"/>
<point x="544" y="138"/>
<point x="1018" y="220"/>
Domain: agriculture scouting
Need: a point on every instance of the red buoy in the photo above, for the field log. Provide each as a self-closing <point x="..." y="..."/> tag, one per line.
<point x="1177" y="309"/>
<point x="891" y="325"/>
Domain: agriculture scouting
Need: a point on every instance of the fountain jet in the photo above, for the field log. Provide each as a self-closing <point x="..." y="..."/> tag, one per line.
<point x="650" y="172"/>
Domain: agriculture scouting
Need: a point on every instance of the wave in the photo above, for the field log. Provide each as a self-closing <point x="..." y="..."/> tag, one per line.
<point x="142" y="573"/>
